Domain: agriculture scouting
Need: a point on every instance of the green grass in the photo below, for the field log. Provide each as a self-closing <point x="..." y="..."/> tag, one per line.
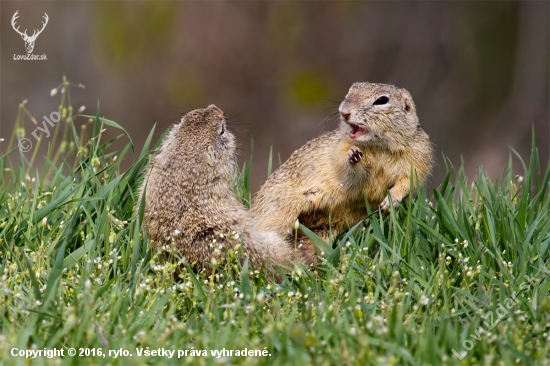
<point x="406" y="288"/>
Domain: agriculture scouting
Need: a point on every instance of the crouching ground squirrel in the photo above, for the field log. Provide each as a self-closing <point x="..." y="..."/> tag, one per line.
<point x="189" y="196"/>
<point x="324" y="183"/>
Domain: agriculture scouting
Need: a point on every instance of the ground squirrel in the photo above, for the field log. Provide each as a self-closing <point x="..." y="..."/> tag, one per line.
<point x="372" y="151"/>
<point x="189" y="196"/>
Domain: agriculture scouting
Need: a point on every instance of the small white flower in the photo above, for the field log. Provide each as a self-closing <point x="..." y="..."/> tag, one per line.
<point x="424" y="300"/>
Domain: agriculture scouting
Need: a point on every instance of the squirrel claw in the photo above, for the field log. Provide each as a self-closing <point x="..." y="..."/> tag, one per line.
<point x="354" y="155"/>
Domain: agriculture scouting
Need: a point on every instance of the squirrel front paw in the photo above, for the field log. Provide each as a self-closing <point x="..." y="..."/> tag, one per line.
<point x="354" y="155"/>
<point x="385" y="205"/>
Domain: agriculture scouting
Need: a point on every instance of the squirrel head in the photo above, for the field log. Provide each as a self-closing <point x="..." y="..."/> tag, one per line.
<point x="200" y="146"/>
<point x="379" y="114"/>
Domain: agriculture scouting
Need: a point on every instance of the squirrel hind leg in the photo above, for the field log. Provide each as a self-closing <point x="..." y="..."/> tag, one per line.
<point x="306" y="250"/>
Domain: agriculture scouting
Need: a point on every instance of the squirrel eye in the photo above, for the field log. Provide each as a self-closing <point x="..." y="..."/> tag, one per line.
<point x="381" y="100"/>
<point x="223" y="129"/>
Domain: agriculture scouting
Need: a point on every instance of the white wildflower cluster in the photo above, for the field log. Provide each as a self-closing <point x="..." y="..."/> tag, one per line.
<point x="167" y="248"/>
<point x="118" y="223"/>
<point x="297" y="273"/>
<point x="103" y="263"/>
<point x="167" y="266"/>
<point x="30" y="180"/>
<point x="368" y="299"/>
<point x="139" y="336"/>
<point x="507" y="265"/>
<point x="42" y="201"/>
<point x="234" y="235"/>
<point x="170" y="248"/>
<point x="217" y="248"/>
<point x="424" y="300"/>
<point x="294" y="296"/>
<point x="336" y="283"/>
<point x="95" y="164"/>
<point x="459" y="244"/>
<point x="149" y="286"/>
<point x="468" y="269"/>
<point x="427" y="217"/>
<point x="377" y="324"/>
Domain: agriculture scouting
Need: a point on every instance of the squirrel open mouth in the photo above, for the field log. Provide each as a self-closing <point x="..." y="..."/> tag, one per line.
<point x="356" y="131"/>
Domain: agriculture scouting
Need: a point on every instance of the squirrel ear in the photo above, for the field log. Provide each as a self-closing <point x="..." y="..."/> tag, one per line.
<point x="408" y="105"/>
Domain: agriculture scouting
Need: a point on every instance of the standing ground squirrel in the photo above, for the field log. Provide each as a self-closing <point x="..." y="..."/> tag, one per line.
<point x="324" y="183"/>
<point x="189" y="196"/>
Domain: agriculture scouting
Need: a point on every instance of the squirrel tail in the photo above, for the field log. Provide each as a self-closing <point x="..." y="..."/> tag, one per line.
<point x="267" y="248"/>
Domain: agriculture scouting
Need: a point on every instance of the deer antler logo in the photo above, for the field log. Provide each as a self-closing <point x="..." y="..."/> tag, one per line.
<point x="29" y="40"/>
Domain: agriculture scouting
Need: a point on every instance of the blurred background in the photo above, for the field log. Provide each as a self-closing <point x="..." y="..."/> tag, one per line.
<point x="478" y="71"/>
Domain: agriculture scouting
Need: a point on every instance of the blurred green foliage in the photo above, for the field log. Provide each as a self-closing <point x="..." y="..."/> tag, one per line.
<point x="306" y="87"/>
<point x="134" y="31"/>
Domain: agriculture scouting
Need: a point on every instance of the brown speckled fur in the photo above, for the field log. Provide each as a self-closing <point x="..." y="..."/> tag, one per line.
<point x="189" y="188"/>
<point x="319" y="180"/>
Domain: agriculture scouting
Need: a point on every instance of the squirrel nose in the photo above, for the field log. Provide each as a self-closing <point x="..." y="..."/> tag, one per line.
<point x="344" y="111"/>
